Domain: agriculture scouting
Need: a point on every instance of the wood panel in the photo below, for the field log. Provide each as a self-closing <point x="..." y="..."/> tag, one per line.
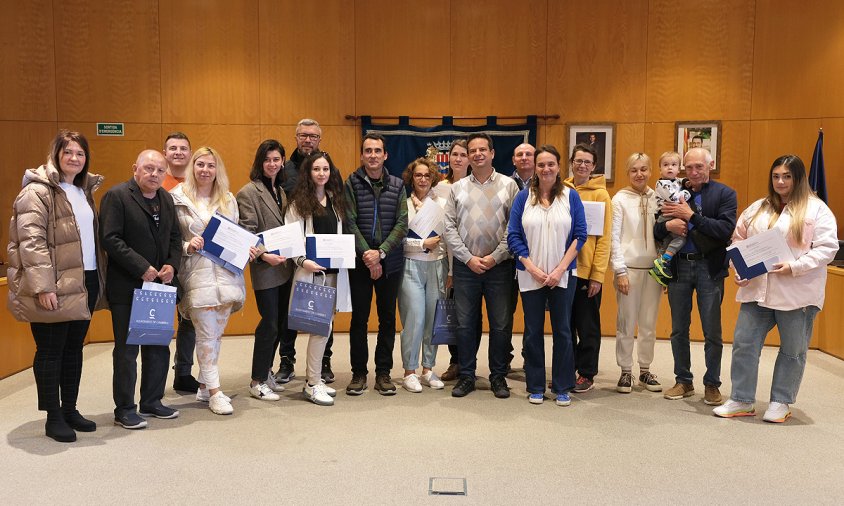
<point x="700" y="60"/>
<point x="26" y="145"/>
<point x="597" y="60"/>
<point x="308" y="61"/>
<point x="735" y="154"/>
<point x="797" y="59"/>
<point x="108" y="70"/>
<point x="830" y="320"/>
<point x="498" y="57"/>
<point x="402" y="57"/>
<point x="209" y="61"/>
<point x="28" y="61"/>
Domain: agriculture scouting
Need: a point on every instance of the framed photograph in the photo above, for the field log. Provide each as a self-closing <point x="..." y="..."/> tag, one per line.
<point x="601" y="136"/>
<point x="700" y="134"/>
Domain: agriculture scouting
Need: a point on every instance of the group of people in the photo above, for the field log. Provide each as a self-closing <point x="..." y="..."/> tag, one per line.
<point x="540" y="234"/>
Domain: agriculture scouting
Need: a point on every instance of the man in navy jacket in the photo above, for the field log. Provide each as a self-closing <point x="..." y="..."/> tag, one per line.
<point x="707" y="220"/>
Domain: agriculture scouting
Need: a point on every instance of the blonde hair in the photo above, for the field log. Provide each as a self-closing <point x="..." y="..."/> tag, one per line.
<point x="671" y="154"/>
<point x="635" y="157"/>
<point x="220" y="197"/>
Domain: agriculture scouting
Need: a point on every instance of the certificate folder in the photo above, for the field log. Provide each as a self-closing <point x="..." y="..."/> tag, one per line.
<point x="344" y="260"/>
<point x="745" y="271"/>
<point x="216" y="252"/>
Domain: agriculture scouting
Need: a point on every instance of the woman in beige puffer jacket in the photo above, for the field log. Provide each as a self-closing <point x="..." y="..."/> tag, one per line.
<point x="211" y="292"/>
<point x="56" y="275"/>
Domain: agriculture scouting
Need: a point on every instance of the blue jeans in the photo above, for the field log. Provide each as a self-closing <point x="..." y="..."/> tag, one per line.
<point x="562" y="357"/>
<point x="494" y="287"/>
<point x="423" y="283"/>
<point x="753" y="324"/>
<point x="693" y="276"/>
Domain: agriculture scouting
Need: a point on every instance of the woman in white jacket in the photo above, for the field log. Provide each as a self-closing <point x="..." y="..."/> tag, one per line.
<point x="211" y="292"/>
<point x="633" y="254"/>
<point x="317" y="205"/>
<point x="788" y="296"/>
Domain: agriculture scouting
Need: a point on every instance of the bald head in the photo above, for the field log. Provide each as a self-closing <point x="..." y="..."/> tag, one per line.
<point x="698" y="162"/>
<point x="523" y="160"/>
<point x="149" y="170"/>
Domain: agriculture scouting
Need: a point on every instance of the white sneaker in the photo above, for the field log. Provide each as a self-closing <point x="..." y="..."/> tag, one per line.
<point x="318" y="394"/>
<point x="220" y="404"/>
<point x="777" y="412"/>
<point x="330" y="391"/>
<point x="202" y="395"/>
<point x="262" y="392"/>
<point x="411" y="383"/>
<point x="731" y="409"/>
<point x="430" y="379"/>
<point x="273" y="384"/>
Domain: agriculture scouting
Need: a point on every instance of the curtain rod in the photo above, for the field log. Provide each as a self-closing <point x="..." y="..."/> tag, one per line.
<point x="542" y="117"/>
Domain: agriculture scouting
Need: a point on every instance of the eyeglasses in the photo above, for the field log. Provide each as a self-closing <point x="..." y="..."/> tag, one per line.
<point x="422" y="175"/>
<point x="586" y="163"/>
<point x="313" y="137"/>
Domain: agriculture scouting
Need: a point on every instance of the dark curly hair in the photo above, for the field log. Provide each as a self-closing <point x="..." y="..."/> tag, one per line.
<point x="304" y="198"/>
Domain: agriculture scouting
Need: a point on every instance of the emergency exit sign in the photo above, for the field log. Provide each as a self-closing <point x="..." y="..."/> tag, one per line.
<point x="110" y="129"/>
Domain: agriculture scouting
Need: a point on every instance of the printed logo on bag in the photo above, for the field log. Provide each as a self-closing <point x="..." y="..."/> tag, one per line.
<point x="152" y="314"/>
<point x="311" y="305"/>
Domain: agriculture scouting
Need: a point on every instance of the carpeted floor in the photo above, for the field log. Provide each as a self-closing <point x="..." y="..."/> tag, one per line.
<point x="606" y="448"/>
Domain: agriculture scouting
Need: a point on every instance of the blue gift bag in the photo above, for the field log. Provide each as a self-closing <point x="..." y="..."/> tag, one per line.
<point x="445" y="322"/>
<point x="312" y="308"/>
<point x="152" y="317"/>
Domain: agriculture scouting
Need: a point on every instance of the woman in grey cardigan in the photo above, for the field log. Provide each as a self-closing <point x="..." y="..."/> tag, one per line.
<point x="262" y="205"/>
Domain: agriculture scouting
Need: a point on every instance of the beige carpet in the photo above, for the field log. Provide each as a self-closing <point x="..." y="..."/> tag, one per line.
<point x="606" y="448"/>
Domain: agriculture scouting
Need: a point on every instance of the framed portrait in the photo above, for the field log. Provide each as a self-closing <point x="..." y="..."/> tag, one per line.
<point x="700" y="134"/>
<point x="600" y="136"/>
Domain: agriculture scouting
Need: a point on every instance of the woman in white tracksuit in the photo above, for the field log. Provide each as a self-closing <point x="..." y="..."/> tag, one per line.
<point x="633" y="254"/>
<point x="211" y="292"/>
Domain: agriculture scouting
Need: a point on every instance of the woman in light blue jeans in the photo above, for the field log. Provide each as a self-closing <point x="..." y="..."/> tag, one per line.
<point x="788" y="296"/>
<point x="425" y="275"/>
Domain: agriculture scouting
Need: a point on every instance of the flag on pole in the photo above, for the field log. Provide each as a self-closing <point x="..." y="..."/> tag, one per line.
<point x="817" y="178"/>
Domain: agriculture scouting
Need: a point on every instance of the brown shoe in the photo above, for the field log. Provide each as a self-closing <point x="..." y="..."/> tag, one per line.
<point x="679" y="390"/>
<point x="712" y="396"/>
<point x="451" y="373"/>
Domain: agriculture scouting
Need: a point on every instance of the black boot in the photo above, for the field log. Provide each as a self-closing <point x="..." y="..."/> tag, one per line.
<point x="57" y="428"/>
<point x="78" y="422"/>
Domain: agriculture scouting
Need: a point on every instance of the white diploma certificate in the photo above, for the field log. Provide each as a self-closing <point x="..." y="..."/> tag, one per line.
<point x="228" y="241"/>
<point x="428" y="218"/>
<point x="339" y="248"/>
<point x="594" y="217"/>
<point x="286" y="240"/>
<point x="766" y="248"/>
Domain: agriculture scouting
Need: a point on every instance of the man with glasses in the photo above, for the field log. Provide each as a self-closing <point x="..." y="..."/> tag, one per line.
<point x="476" y="218"/>
<point x="177" y="152"/>
<point x="308" y="136"/>
<point x="376" y="213"/>
<point x="707" y="221"/>
<point x="592" y="261"/>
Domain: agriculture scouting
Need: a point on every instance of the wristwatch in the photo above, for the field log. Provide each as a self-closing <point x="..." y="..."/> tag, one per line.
<point x="383" y="254"/>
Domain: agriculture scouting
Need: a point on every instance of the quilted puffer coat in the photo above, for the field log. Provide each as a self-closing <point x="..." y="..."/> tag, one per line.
<point x="45" y="250"/>
<point x="205" y="283"/>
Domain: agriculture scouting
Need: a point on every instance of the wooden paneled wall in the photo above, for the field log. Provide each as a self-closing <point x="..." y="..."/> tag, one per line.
<point x="231" y="74"/>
